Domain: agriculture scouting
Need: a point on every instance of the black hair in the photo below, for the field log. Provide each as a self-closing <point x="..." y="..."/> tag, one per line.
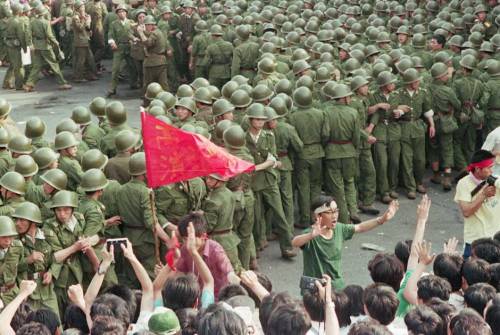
<point x="231" y="290"/>
<point x="487" y="249"/>
<point x="107" y="325"/>
<point x="475" y="270"/>
<point x="440" y="39"/>
<point x="181" y="291"/>
<point x="423" y="320"/>
<point x="431" y="286"/>
<point x="270" y="302"/>
<point x="386" y="268"/>
<point x="111" y="305"/>
<point x="495" y="276"/>
<point x="199" y="224"/>
<point x="355" y="295"/>
<point x="368" y="327"/>
<point x="264" y="281"/>
<point x="342" y="309"/>
<point x="218" y="320"/>
<point x="314" y="305"/>
<point x="402" y="251"/>
<point x="496" y="237"/>
<point x="289" y="319"/>
<point x="492" y="315"/>
<point x="320" y="201"/>
<point x="481" y="155"/>
<point x="449" y="267"/>
<point x="442" y="308"/>
<point x="477" y="296"/>
<point x="20" y="316"/>
<point x="127" y="295"/>
<point x="74" y="317"/>
<point x="33" y="328"/>
<point x="381" y="303"/>
<point x="188" y="320"/>
<point x="468" y="322"/>
<point x="46" y="317"/>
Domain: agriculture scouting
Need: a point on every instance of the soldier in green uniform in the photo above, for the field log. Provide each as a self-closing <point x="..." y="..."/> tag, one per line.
<point x="91" y="133"/>
<point x="46" y="159"/>
<point x="65" y="30"/>
<point x="116" y="115"/>
<point x="64" y="234"/>
<point x="52" y="181"/>
<point x="490" y="101"/>
<point x="66" y="146"/>
<point x="38" y="261"/>
<point x="185" y="108"/>
<point x="413" y="130"/>
<point x="136" y="212"/>
<point x="308" y="165"/>
<point x="35" y="131"/>
<point x="15" y="40"/>
<point x="20" y="145"/>
<point x="12" y="189"/>
<point x="218" y="208"/>
<point x="218" y="58"/>
<point x="245" y="55"/>
<point x="44" y="43"/>
<point x="6" y="161"/>
<point x="366" y="178"/>
<point x="262" y="147"/>
<point x="26" y="166"/>
<point x="98" y="107"/>
<point x="204" y="103"/>
<point x="97" y="11"/>
<point x="119" y="36"/>
<point x="288" y="143"/>
<point x="11" y="253"/>
<point x="187" y="21"/>
<point x="126" y="142"/>
<point x="83" y="59"/>
<point x="444" y="105"/>
<point x="342" y="143"/>
<point x="168" y="24"/>
<point x="198" y="49"/>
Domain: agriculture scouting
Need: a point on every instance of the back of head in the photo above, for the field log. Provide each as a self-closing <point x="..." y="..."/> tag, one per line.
<point x="423" y="320"/>
<point x="107" y="325"/>
<point x="199" y="223"/>
<point x="127" y="295"/>
<point x="492" y="315"/>
<point x="487" y="249"/>
<point x="231" y="290"/>
<point x="442" y="308"/>
<point x="20" y="316"/>
<point x="181" y="291"/>
<point x="46" y="317"/>
<point x="74" y="318"/>
<point x="355" y="296"/>
<point x="431" y="286"/>
<point x="477" y="296"/>
<point x="289" y="319"/>
<point x="468" y="322"/>
<point x="111" y="305"/>
<point x="475" y="271"/>
<point x="33" y="328"/>
<point x="386" y="268"/>
<point x="368" y="327"/>
<point x="381" y="303"/>
<point x="188" y="320"/>
<point x="270" y="302"/>
<point x="449" y="267"/>
<point x="495" y="276"/>
<point x="342" y="308"/>
<point x="221" y="321"/>
<point x="402" y="251"/>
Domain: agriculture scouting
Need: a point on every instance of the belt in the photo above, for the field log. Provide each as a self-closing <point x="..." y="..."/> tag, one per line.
<point x="36" y="275"/>
<point x="339" y="142"/>
<point x="283" y="154"/>
<point x="7" y="288"/>
<point x="220" y="232"/>
<point x="135" y="227"/>
<point x="247" y="68"/>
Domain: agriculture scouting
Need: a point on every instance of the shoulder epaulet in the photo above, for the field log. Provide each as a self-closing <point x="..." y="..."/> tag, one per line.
<point x="79" y="216"/>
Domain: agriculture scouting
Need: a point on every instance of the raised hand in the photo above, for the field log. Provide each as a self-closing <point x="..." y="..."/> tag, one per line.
<point x="423" y="250"/>
<point x="423" y="208"/>
<point x="450" y="247"/>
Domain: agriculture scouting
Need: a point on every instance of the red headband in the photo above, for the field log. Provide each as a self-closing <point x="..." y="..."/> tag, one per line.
<point x="482" y="164"/>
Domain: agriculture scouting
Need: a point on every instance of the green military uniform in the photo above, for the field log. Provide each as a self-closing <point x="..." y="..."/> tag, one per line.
<point x="121" y="33"/>
<point x="91" y="134"/>
<point x="109" y="200"/>
<point x="83" y="59"/>
<point x="15" y="40"/>
<point x="155" y="62"/>
<point x="490" y="103"/>
<point x="218" y="208"/>
<point x="9" y="261"/>
<point x="107" y="143"/>
<point x="42" y="200"/>
<point x="73" y="170"/>
<point x="39" y="142"/>
<point x="97" y="11"/>
<point x="176" y="200"/>
<point x="218" y="60"/>
<point x="198" y="50"/>
<point x="65" y="30"/>
<point x="6" y="161"/>
<point x="7" y="207"/>
<point x="117" y="167"/>
<point x="245" y="57"/>
<point x="170" y="29"/>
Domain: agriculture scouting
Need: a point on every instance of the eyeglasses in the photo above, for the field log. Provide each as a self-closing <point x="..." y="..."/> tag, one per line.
<point x="332" y="211"/>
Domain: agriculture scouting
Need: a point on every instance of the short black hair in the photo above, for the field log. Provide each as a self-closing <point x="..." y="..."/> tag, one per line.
<point x="221" y="321"/>
<point x="355" y="295"/>
<point x="33" y="328"/>
<point x="487" y="249"/>
<point x="111" y="305"/>
<point x="492" y="315"/>
<point x="449" y="267"/>
<point x="468" y="322"/>
<point x="475" y="270"/>
<point x="107" y="325"/>
<point x="368" y="327"/>
<point x="290" y="319"/>
<point x="320" y="201"/>
<point x="481" y="155"/>
<point x="181" y="291"/>
<point x="341" y="301"/>
<point x="443" y="308"/>
<point x="386" y="268"/>
<point x="270" y="302"/>
<point x="440" y="39"/>
<point x="127" y="295"/>
<point x="423" y="320"/>
<point x="402" y="251"/>
<point x="231" y="290"/>
<point x="431" y="286"/>
<point x="199" y="224"/>
<point x="495" y="276"/>
<point x="496" y="237"/>
<point x="314" y="305"/>
<point x="20" y="316"/>
<point x="381" y="302"/>
<point x="188" y="320"/>
<point x="477" y="296"/>
<point x="74" y="317"/>
<point x="46" y="317"/>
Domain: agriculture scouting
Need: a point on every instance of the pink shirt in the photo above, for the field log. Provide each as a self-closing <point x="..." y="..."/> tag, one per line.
<point x="216" y="260"/>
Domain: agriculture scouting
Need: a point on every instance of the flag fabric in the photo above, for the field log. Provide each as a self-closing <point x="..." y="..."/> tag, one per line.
<point x="174" y="155"/>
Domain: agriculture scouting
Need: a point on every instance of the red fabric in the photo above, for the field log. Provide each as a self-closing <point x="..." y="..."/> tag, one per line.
<point x="174" y="155"/>
<point x="480" y="165"/>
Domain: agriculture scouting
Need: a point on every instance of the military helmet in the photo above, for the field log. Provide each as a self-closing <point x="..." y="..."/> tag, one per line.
<point x="7" y="227"/>
<point x="125" y="140"/>
<point x="167" y="98"/>
<point x="81" y="115"/>
<point x="371" y="50"/>
<point x="271" y="113"/>
<point x="404" y="64"/>
<point x="156" y="107"/>
<point x="306" y="81"/>
<point x="137" y="164"/>
<point x="44" y="157"/>
<point x="216" y="30"/>
<point x="476" y="38"/>
<point x="442" y="56"/>
<point x="351" y="65"/>
<point x="20" y="145"/>
<point x="495" y="40"/>
<point x="5" y="107"/>
<point x="410" y="76"/>
<point x="214" y="92"/>
<point x="266" y="66"/>
<point x="67" y="125"/>
<point x="403" y="30"/>
<point x="279" y="105"/>
<point x="487" y="47"/>
<point x="201" y="26"/>
<point x="241" y="80"/>
<point x="358" y="82"/>
<point x="299" y="54"/>
<point x="26" y="166"/>
<point x="65" y="140"/>
<point x="98" y="106"/>
<point x="152" y="90"/>
<point x="117" y="9"/>
<point x="468" y="62"/>
<point x="13" y="182"/>
<point x="438" y="70"/>
<point x="383" y="37"/>
<point x="493" y="68"/>
<point x="221" y="107"/>
<point x="418" y="40"/>
<point x="284" y="86"/>
<point x="302" y="97"/>
<point x="243" y="32"/>
<point x="221" y="126"/>
<point x="456" y="40"/>
<point x="94" y="159"/>
<point x="64" y="198"/>
<point x="261" y="93"/>
<point x="256" y="111"/>
<point x="229" y="88"/>
<point x="202" y="95"/>
<point x="187" y="103"/>
<point x="116" y="113"/>
<point x="164" y="119"/>
<point x="150" y="19"/>
<point x="323" y="74"/>
<point x="385" y="78"/>
<point x="16" y="8"/>
<point x="234" y="137"/>
<point x="300" y="66"/>
<point x="199" y="82"/>
<point x="341" y="91"/>
<point x="35" y="127"/>
<point x="28" y="211"/>
<point x="240" y="98"/>
<point x="93" y="180"/>
<point x="140" y="11"/>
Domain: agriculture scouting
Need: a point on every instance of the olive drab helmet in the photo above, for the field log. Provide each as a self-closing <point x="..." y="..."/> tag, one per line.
<point x="229" y="88"/>
<point x="256" y="111"/>
<point x="93" y="180"/>
<point x="202" y="95"/>
<point x="65" y="140"/>
<point x="261" y="93"/>
<point x="55" y="178"/>
<point x="7" y="227"/>
<point x="35" y="127"/>
<point x="302" y="97"/>
<point x="44" y="157"/>
<point x="152" y="90"/>
<point x="385" y="78"/>
<point x="4" y="138"/>
<point x="94" y="159"/>
<point x="28" y="211"/>
<point x="284" y="86"/>
<point x="266" y="66"/>
<point x="13" y="182"/>
<point x="241" y="80"/>
<point x="20" y="145"/>
<point x="234" y="137"/>
<point x="156" y="110"/>
<point x="168" y="99"/>
<point x="5" y="108"/>
<point x="438" y="70"/>
<point x="493" y="68"/>
<point x="98" y="107"/>
<point x="116" y="113"/>
<point x="221" y="107"/>
<point x="199" y="82"/>
<point x="137" y="164"/>
<point x="358" y="82"/>
<point x="240" y="99"/>
<point x="201" y="26"/>
<point x="81" y="115"/>
<point x="67" y="125"/>
<point x="187" y="103"/>
<point x="26" y="166"/>
<point x="64" y="199"/>
<point x="468" y="62"/>
<point x="221" y="126"/>
<point x="184" y="91"/>
<point x="279" y="105"/>
<point x="271" y="113"/>
<point x="341" y="91"/>
<point x="410" y="76"/>
<point x="127" y="139"/>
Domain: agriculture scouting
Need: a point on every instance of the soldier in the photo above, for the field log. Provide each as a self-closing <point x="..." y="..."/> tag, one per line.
<point x="218" y="58"/>
<point x="366" y="169"/>
<point x="342" y="127"/>
<point x="169" y="25"/>
<point x="413" y="130"/>
<point x="91" y="133"/>
<point x="204" y="102"/>
<point x="52" y="181"/>
<point x="198" y="49"/>
<point x="15" y="40"/>
<point x="137" y="51"/>
<point x="44" y="43"/>
<point x="245" y="55"/>
<point x="11" y="253"/>
<point x="65" y="32"/>
<point x="98" y="107"/>
<point x="240" y="100"/>
<point x="222" y="110"/>
<point x="262" y="146"/>
<point x="35" y="130"/>
<point x="12" y="189"/>
<point x="66" y="146"/>
<point x="64" y="234"/>
<point x="185" y="108"/>
<point x="444" y="104"/>
<point x="97" y="11"/>
<point x="490" y="101"/>
<point x="116" y="115"/>
<point x="46" y="159"/>
<point x="26" y="166"/>
<point x="6" y="160"/>
<point x="119" y="37"/>
<point x="20" y="145"/>
<point x="84" y="64"/>
<point x="187" y="21"/>
<point x="155" y="62"/>
<point x="126" y="142"/>
<point x="38" y="257"/>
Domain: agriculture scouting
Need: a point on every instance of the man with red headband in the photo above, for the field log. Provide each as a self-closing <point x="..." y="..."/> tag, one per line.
<point x="480" y="208"/>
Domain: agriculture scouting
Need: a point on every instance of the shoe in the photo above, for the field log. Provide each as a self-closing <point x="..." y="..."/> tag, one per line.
<point x="253" y="265"/>
<point x="412" y="195"/>
<point x="355" y="219"/>
<point x="8" y="87"/>
<point x="92" y="78"/>
<point x="287" y="254"/>
<point x="272" y="237"/>
<point x="394" y="194"/>
<point x="436" y="178"/>
<point x="264" y="245"/>
<point x="421" y="189"/>
<point x="65" y="87"/>
<point x="369" y="209"/>
<point x="28" y="88"/>
<point x="447" y="182"/>
<point x="111" y="93"/>
<point x="386" y="199"/>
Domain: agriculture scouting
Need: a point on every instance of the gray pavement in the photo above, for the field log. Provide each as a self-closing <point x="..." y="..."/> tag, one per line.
<point x="444" y="221"/>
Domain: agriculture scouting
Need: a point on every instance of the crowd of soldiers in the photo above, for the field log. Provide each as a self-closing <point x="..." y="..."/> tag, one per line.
<point x="351" y="98"/>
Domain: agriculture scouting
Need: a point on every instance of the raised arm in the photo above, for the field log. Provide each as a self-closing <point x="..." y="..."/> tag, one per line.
<point x="26" y="288"/>
<point x="425" y="258"/>
<point x="368" y="225"/>
<point x="422" y="216"/>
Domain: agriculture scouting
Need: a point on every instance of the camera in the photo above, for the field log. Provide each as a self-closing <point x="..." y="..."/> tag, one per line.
<point x="491" y="180"/>
<point x="309" y="283"/>
<point x="116" y="243"/>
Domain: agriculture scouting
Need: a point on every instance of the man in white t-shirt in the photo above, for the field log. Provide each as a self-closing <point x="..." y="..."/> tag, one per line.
<point x="481" y="210"/>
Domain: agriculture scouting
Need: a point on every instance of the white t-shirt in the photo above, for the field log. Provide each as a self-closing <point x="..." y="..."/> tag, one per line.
<point x="457" y="300"/>
<point x="484" y="222"/>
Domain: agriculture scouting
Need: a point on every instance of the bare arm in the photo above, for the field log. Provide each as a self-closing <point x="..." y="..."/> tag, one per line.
<point x="61" y="255"/>
<point x="249" y="278"/>
<point x="423" y="251"/>
<point x="469" y="208"/>
<point x="332" y="326"/>
<point x="26" y="288"/>
<point x="422" y="215"/>
<point x="371" y="224"/>
<point x="160" y="281"/>
<point x="199" y="263"/>
<point x="96" y="283"/>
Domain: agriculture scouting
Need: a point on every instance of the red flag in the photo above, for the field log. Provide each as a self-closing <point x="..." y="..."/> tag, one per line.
<point x="173" y="155"/>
